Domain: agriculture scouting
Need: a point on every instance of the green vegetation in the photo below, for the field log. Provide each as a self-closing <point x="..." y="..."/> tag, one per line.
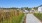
<point x="11" y="18"/>
<point x="38" y="15"/>
<point x="17" y="19"/>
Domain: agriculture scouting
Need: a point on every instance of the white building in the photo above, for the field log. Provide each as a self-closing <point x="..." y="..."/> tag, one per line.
<point x="25" y="11"/>
<point x="40" y="9"/>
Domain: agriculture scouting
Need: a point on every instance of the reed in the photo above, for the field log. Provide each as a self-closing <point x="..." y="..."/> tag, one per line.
<point x="14" y="16"/>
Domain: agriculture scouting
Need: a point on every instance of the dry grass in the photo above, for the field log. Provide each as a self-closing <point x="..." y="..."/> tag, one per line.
<point x="14" y="16"/>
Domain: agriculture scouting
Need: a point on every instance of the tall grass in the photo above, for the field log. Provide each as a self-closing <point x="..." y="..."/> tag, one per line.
<point x="38" y="15"/>
<point x="12" y="17"/>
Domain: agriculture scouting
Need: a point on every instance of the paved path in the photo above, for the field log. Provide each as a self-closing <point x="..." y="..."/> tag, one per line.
<point x="30" y="18"/>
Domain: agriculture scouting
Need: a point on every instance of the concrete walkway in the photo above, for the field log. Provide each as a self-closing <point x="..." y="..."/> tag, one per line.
<point x="30" y="18"/>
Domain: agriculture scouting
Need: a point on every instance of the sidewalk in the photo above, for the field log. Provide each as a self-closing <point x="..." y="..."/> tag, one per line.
<point x="30" y="18"/>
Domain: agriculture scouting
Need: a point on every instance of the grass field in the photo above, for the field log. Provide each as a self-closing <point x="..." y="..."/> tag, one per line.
<point x="38" y="15"/>
<point x="13" y="18"/>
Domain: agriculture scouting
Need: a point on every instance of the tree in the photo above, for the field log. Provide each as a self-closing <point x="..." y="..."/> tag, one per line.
<point x="26" y="8"/>
<point x="35" y="8"/>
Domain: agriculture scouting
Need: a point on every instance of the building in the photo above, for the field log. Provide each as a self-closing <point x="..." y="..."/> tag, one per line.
<point x="32" y="10"/>
<point x="40" y="9"/>
<point x="25" y="11"/>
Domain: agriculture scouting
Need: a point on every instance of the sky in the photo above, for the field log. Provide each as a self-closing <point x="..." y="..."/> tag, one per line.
<point x="20" y="3"/>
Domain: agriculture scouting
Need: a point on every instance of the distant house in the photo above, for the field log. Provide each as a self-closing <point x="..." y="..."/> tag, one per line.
<point x="40" y="9"/>
<point x="25" y="11"/>
<point x="32" y="10"/>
